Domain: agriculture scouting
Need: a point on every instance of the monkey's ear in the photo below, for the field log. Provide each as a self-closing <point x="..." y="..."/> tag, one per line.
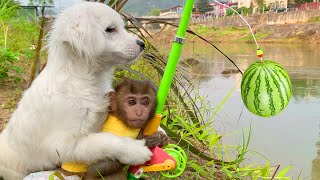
<point x="112" y="100"/>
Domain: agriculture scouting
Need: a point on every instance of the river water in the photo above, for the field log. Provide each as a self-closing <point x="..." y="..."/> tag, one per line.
<point x="289" y="138"/>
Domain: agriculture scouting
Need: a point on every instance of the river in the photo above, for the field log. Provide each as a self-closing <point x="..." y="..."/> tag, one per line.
<point x="289" y="138"/>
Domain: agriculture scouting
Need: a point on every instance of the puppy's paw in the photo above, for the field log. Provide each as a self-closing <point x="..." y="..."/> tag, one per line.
<point x="135" y="153"/>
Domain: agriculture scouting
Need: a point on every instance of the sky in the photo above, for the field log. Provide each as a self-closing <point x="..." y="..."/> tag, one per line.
<point x="60" y="4"/>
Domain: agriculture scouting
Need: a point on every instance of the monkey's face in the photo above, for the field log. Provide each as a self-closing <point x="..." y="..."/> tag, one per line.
<point x="136" y="110"/>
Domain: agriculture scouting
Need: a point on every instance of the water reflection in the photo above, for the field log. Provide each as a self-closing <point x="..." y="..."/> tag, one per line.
<point x="289" y="138"/>
<point x="316" y="165"/>
<point x="306" y="89"/>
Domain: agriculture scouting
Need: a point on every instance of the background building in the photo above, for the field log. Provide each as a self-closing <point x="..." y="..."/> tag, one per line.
<point x="175" y="11"/>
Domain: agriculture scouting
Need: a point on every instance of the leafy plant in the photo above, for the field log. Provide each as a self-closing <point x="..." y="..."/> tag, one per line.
<point x="154" y="11"/>
<point x="203" y="5"/>
<point x="41" y="2"/>
<point x="7" y="67"/>
<point x="18" y="38"/>
<point x="302" y="1"/>
<point x="242" y="10"/>
<point x="314" y="19"/>
<point x="7" y="60"/>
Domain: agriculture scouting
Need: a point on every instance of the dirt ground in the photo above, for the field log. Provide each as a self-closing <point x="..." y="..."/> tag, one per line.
<point x="10" y="94"/>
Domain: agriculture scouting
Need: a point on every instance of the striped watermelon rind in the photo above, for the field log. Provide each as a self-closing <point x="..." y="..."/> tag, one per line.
<point x="266" y="88"/>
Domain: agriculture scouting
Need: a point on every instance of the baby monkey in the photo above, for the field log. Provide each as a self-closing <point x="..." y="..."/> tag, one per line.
<point x="133" y="102"/>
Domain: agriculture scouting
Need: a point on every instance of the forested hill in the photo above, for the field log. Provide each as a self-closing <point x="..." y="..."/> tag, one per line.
<point x="142" y="7"/>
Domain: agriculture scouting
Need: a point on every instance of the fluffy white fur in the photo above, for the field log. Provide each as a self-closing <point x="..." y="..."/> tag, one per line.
<point x="59" y="116"/>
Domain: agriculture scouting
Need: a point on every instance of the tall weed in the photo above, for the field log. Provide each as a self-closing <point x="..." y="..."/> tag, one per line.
<point x="16" y="47"/>
<point x="8" y="8"/>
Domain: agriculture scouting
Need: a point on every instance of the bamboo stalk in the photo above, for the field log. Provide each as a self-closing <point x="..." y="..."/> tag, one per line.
<point x="111" y="3"/>
<point x="121" y="5"/>
<point x="38" y="48"/>
<point x="116" y="4"/>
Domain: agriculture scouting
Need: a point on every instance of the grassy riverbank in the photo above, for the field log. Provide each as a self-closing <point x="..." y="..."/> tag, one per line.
<point x="287" y="33"/>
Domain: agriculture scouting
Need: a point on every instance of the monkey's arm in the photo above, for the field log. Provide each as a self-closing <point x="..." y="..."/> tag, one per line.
<point x="160" y="129"/>
<point x="159" y="138"/>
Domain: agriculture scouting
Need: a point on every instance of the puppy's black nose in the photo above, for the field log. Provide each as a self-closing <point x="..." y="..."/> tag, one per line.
<point x="141" y="44"/>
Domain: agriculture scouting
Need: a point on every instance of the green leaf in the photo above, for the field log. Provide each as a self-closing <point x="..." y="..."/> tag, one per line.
<point x="214" y="138"/>
<point x="284" y="171"/>
<point x="225" y="100"/>
<point x="204" y="134"/>
<point x="196" y="129"/>
<point x="56" y="174"/>
<point x="17" y="69"/>
<point x="17" y="79"/>
<point x="3" y="75"/>
<point x="266" y="170"/>
<point x="199" y="169"/>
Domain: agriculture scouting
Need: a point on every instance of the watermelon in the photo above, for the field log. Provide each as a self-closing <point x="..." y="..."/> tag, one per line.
<point x="265" y="88"/>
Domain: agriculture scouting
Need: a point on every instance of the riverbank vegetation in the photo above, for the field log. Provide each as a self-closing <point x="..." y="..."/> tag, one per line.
<point x="288" y="33"/>
<point x="315" y="19"/>
<point x="184" y="116"/>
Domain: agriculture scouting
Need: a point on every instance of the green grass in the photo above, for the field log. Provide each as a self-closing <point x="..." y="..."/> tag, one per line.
<point x="233" y="30"/>
<point x="17" y="38"/>
<point x="8" y="9"/>
<point x="218" y="34"/>
<point x="314" y="19"/>
<point x="249" y="38"/>
<point x="22" y="34"/>
<point x="205" y="29"/>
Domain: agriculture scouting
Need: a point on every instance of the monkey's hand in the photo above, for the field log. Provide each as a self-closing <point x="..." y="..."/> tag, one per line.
<point x="134" y="152"/>
<point x="157" y="139"/>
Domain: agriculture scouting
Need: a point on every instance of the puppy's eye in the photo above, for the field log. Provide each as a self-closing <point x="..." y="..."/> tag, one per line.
<point x="111" y="29"/>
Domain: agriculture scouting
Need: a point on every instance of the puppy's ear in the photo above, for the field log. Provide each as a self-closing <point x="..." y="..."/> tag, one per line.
<point x="84" y="36"/>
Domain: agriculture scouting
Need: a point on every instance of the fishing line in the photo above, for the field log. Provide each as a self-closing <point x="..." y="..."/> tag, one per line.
<point x="259" y="51"/>
<point x="242" y="19"/>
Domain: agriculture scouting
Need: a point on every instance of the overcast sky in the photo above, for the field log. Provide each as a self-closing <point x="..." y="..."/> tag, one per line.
<point x="60" y="4"/>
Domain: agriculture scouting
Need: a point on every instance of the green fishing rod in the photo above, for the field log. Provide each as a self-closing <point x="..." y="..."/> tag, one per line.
<point x="170" y="69"/>
<point x="175" y="152"/>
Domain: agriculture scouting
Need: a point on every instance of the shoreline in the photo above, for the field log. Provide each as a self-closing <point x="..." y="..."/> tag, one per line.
<point x="298" y="33"/>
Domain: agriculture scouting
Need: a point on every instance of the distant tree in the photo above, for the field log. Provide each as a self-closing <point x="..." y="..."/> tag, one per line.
<point x="154" y="11"/>
<point x="229" y="12"/>
<point x="203" y="5"/>
<point x="302" y="1"/>
<point x="41" y="2"/>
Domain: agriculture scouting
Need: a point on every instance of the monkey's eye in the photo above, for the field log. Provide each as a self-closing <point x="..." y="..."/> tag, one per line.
<point x="110" y="29"/>
<point x="145" y="102"/>
<point x="131" y="102"/>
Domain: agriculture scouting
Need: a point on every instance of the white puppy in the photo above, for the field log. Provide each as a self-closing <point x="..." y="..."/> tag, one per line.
<point x="59" y="116"/>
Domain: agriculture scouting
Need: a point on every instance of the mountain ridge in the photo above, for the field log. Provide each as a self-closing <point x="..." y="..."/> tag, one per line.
<point x="142" y="7"/>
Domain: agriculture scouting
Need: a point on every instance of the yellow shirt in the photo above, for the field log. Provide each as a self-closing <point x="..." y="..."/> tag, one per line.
<point x="118" y="127"/>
